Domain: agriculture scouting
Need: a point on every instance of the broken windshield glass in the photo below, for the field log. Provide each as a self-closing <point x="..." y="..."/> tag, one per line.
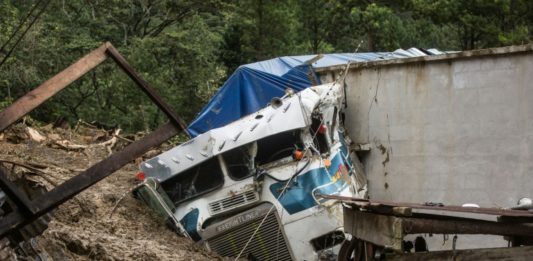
<point x="195" y="181"/>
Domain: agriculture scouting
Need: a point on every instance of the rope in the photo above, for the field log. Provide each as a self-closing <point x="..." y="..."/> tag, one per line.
<point x="307" y="149"/>
<point x="270" y="210"/>
<point x="122" y="197"/>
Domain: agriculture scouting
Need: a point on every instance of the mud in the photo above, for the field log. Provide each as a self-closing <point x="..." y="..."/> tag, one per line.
<point x="82" y="228"/>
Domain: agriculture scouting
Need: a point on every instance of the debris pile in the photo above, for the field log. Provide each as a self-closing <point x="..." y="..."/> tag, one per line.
<point x="91" y="225"/>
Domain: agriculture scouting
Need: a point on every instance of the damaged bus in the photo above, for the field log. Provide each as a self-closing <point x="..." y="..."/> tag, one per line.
<point x="251" y="189"/>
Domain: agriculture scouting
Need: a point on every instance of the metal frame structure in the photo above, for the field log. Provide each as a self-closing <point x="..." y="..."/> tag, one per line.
<point x="28" y="210"/>
<point x="384" y="224"/>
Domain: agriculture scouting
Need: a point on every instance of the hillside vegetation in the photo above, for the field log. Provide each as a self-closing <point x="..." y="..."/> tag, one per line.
<point x="187" y="48"/>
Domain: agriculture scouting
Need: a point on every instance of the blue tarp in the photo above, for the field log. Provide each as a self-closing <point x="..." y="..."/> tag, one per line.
<point x="252" y="86"/>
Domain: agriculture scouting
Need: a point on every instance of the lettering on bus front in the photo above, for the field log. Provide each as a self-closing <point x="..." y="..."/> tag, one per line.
<point x="234" y="222"/>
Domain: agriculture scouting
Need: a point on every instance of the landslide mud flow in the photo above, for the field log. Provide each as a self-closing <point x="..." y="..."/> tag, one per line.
<point x="83" y="227"/>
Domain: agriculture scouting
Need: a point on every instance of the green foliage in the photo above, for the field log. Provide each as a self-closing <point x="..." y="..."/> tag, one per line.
<point x="6" y="102"/>
<point x="175" y="45"/>
<point x="257" y="30"/>
<point x="520" y="35"/>
<point x="481" y="23"/>
<point x="384" y="29"/>
<point x="187" y="48"/>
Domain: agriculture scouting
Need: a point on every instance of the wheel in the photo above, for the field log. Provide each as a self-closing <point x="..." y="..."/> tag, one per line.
<point x="351" y="250"/>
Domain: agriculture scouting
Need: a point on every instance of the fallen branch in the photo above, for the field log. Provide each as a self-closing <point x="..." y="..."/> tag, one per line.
<point x="24" y="165"/>
<point x="47" y="179"/>
<point x="39" y="167"/>
<point x="125" y="139"/>
<point x="65" y="144"/>
<point x="88" y="125"/>
<point x="111" y="141"/>
<point x="35" y="135"/>
<point x="109" y="144"/>
<point x="44" y="175"/>
<point x="67" y="169"/>
<point x="41" y="173"/>
<point x="80" y="121"/>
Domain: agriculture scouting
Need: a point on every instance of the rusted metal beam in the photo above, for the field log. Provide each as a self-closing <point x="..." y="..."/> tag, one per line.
<point x="464" y="226"/>
<point x="27" y="210"/>
<point x="378" y="229"/>
<point x="52" y="86"/>
<point x="500" y="253"/>
<point x="20" y="199"/>
<point x="145" y="87"/>
<point x="95" y="173"/>
<point x="389" y="231"/>
<point x="363" y="203"/>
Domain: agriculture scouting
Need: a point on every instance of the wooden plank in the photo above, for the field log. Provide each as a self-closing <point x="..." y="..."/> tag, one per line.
<point x="52" y="86"/>
<point x="378" y="229"/>
<point x="505" y="253"/>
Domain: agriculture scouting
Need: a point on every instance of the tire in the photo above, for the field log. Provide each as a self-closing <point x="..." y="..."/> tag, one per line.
<point x="351" y="250"/>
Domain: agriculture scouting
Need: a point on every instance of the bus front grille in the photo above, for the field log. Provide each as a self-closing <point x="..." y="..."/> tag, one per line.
<point x="268" y="243"/>
<point x="235" y="201"/>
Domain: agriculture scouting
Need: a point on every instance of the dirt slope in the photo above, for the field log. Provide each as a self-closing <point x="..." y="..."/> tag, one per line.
<point x="82" y="228"/>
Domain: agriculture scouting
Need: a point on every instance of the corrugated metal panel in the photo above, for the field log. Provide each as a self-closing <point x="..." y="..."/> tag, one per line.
<point x="328" y="60"/>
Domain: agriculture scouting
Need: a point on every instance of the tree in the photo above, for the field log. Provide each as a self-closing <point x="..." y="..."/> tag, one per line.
<point x="481" y="24"/>
<point x="314" y="16"/>
<point x="174" y="44"/>
<point x="258" y="30"/>
<point x="186" y="48"/>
